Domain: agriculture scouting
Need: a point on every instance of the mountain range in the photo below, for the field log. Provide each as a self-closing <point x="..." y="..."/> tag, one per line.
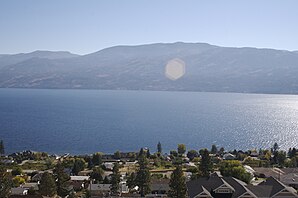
<point x="207" y="68"/>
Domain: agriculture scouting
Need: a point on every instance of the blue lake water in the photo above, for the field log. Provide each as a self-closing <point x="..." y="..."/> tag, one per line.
<point x="87" y="121"/>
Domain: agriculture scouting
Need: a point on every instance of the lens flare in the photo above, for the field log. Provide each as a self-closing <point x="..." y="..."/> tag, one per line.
<point x="175" y="69"/>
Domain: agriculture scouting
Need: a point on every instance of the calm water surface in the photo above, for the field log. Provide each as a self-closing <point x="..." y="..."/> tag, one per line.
<point x="86" y="121"/>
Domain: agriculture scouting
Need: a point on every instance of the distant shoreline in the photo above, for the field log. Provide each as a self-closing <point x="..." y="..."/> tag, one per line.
<point x="146" y="90"/>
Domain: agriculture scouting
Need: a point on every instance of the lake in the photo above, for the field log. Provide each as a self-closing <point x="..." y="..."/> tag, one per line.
<point x="87" y="121"/>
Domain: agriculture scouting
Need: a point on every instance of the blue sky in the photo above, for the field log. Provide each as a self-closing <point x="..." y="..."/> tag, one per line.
<point x="87" y="26"/>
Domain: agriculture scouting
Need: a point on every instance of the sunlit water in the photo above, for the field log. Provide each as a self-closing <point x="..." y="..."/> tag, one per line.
<point x="86" y="121"/>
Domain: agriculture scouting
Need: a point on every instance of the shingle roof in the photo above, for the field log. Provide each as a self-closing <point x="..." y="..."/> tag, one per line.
<point x="160" y="185"/>
<point x="268" y="188"/>
<point x="290" y="178"/>
<point x="100" y="187"/>
<point x="238" y="187"/>
<point x="79" y="178"/>
<point x="276" y="185"/>
<point x="194" y="187"/>
<point x="261" y="191"/>
<point x="197" y="186"/>
<point x="18" y="191"/>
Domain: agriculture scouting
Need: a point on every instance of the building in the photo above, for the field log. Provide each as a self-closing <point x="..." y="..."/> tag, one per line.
<point x="23" y="189"/>
<point x="101" y="190"/>
<point x="228" y="187"/>
<point x="273" y="188"/>
<point x="288" y="176"/>
<point x="79" y="182"/>
<point x="160" y="186"/>
<point x="228" y="156"/>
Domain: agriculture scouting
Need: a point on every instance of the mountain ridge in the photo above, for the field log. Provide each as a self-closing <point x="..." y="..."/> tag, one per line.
<point x="142" y="67"/>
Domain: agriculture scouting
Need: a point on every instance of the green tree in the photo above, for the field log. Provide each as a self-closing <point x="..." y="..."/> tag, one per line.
<point x="177" y="184"/>
<point x="79" y="165"/>
<point x="2" y="150"/>
<point x="17" y="171"/>
<point x="97" y="159"/>
<point x="206" y="165"/>
<point x="90" y="164"/>
<point x="72" y="195"/>
<point x="214" y="149"/>
<point x="141" y="153"/>
<point x="181" y="149"/>
<point x="5" y="183"/>
<point x="47" y="185"/>
<point x="173" y="153"/>
<point x="131" y="180"/>
<point x="274" y="150"/>
<point x="49" y="163"/>
<point x="275" y="147"/>
<point x="148" y="154"/>
<point x="115" y="180"/>
<point x="117" y="155"/>
<point x="18" y="180"/>
<point x="294" y="162"/>
<point x="87" y="194"/>
<point x="293" y="153"/>
<point x="31" y="191"/>
<point x="281" y="157"/>
<point x="96" y="174"/>
<point x="191" y="154"/>
<point x="143" y="176"/>
<point x="235" y="169"/>
<point x="62" y="180"/>
<point x="221" y="151"/>
<point x="159" y="148"/>
<point x="106" y="180"/>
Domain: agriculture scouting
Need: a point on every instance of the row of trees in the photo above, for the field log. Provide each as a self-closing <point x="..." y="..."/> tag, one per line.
<point x="142" y="179"/>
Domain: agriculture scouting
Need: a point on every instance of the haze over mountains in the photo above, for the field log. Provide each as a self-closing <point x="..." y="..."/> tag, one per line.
<point x="208" y="68"/>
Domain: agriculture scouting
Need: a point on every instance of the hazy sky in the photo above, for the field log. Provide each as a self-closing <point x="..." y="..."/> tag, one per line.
<point x="87" y="26"/>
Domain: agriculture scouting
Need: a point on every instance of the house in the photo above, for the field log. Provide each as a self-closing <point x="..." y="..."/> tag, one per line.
<point x="79" y="178"/>
<point x="85" y="172"/>
<point x="7" y="161"/>
<point x="108" y="165"/>
<point x="228" y="187"/>
<point x="101" y="190"/>
<point x="33" y="186"/>
<point x="269" y="172"/>
<point x="79" y="182"/>
<point x="19" y="191"/>
<point x="249" y="169"/>
<point x="23" y="189"/>
<point x="160" y="186"/>
<point x="36" y="177"/>
<point x="254" y="153"/>
<point x="123" y="187"/>
<point x="290" y="179"/>
<point x="228" y="156"/>
<point x="273" y="188"/>
<point x="288" y="176"/>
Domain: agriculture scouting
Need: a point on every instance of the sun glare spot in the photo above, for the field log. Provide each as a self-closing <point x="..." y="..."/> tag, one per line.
<point x="175" y="69"/>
